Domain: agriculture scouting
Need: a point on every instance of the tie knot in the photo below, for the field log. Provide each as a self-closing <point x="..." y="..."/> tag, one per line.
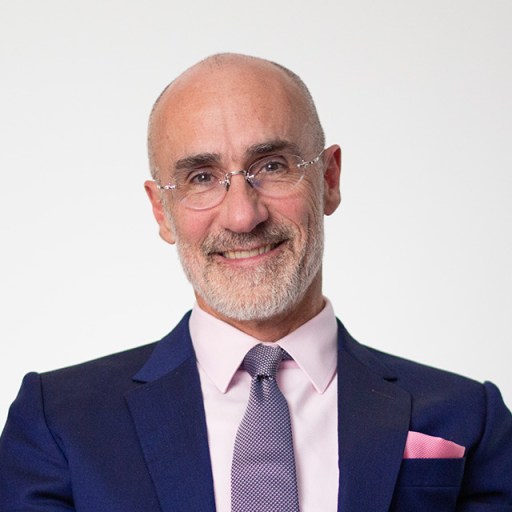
<point x="263" y="360"/>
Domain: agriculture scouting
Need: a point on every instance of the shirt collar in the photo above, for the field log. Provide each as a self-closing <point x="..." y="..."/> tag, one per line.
<point x="220" y="347"/>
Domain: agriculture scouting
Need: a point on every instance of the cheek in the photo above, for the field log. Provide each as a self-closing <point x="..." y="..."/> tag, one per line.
<point x="190" y="228"/>
<point x="304" y="209"/>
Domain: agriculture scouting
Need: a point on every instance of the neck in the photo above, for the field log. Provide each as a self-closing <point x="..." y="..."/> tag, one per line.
<point x="277" y="327"/>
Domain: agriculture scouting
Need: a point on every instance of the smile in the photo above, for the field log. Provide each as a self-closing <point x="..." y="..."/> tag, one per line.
<point x="237" y="255"/>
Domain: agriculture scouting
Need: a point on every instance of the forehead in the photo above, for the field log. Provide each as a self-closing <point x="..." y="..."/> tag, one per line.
<point x="225" y="110"/>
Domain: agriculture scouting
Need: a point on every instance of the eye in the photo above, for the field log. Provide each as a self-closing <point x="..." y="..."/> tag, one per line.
<point x="275" y="164"/>
<point x="197" y="178"/>
<point x="203" y="177"/>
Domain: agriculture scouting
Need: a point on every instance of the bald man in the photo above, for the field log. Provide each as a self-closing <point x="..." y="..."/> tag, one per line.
<point x="241" y="181"/>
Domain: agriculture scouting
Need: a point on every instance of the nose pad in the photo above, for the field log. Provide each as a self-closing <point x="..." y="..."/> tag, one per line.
<point x="243" y="172"/>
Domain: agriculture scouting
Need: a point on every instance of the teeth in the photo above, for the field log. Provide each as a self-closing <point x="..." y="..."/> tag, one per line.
<point x="236" y="255"/>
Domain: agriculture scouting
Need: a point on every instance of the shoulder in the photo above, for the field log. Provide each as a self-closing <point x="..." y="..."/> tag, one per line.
<point x="417" y="374"/>
<point x="103" y="370"/>
<point x="411" y="374"/>
<point x="95" y="385"/>
<point x="123" y="367"/>
<point x="443" y="403"/>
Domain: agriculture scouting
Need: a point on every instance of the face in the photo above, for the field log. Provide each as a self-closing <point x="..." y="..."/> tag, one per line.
<point x="255" y="273"/>
<point x="250" y="257"/>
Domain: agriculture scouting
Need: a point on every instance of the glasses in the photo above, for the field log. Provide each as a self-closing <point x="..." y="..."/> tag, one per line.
<point x="205" y="186"/>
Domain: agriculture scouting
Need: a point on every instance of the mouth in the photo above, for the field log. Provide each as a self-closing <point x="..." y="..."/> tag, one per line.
<point x="248" y="253"/>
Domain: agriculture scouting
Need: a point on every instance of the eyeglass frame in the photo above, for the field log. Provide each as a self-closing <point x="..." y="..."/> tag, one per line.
<point x="226" y="181"/>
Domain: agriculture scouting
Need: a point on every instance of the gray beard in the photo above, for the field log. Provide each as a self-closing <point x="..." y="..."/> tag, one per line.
<point x="263" y="292"/>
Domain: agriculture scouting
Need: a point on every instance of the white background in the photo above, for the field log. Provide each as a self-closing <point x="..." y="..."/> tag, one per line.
<point x="418" y="94"/>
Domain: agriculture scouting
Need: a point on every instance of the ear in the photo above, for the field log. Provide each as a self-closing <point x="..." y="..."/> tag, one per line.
<point x="332" y="195"/>
<point x="166" y="230"/>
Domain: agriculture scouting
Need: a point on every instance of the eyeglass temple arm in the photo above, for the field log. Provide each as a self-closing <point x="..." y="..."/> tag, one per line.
<point x="310" y="162"/>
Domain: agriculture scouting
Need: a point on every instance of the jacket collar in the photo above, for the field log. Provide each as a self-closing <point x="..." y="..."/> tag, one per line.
<point x="169" y="353"/>
<point x="167" y="409"/>
<point x="168" y="413"/>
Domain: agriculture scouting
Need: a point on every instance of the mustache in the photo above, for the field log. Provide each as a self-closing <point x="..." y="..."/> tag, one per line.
<point x="263" y="234"/>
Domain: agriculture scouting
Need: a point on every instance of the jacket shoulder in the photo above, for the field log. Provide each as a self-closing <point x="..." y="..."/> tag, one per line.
<point x="119" y="365"/>
<point x="444" y="404"/>
<point x="97" y="386"/>
<point x="402" y="370"/>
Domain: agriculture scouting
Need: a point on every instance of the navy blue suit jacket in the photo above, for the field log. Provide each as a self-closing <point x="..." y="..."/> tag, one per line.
<point x="127" y="433"/>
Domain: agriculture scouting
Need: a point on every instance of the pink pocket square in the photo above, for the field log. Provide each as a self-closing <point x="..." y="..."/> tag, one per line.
<point x="422" y="446"/>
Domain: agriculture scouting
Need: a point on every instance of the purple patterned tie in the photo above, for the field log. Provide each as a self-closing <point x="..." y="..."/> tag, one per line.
<point x="263" y="470"/>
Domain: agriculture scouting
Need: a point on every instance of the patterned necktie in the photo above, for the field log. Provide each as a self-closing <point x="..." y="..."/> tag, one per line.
<point x="263" y="470"/>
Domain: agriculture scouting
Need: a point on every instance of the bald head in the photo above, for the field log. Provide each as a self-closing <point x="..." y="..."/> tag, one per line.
<point x="215" y="83"/>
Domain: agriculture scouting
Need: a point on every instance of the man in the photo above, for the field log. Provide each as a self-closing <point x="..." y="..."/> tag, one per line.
<point x="241" y="181"/>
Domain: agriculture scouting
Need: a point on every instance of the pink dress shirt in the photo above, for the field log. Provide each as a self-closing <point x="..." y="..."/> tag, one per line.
<point x="308" y="383"/>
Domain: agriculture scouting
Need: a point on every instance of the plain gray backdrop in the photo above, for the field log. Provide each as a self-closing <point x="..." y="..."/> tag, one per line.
<point x="417" y="93"/>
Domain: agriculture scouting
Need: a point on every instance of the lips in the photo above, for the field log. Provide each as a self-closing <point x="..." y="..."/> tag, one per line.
<point x="249" y="253"/>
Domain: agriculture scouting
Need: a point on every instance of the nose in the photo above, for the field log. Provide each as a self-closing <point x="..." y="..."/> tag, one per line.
<point x="242" y="209"/>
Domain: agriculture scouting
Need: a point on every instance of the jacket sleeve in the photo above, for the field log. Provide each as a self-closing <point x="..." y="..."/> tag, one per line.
<point x="487" y="485"/>
<point x="34" y="473"/>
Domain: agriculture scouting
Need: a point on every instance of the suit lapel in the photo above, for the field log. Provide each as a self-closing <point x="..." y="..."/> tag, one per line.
<point x="168" y="413"/>
<point x="373" y="421"/>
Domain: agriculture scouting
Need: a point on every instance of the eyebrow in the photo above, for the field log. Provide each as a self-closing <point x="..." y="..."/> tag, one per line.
<point x="270" y="147"/>
<point x="253" y="151"/>
<point x="199" y="160"/>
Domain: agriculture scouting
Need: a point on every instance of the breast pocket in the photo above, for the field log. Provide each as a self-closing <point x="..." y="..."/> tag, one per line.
<point x="428" y="485"/>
